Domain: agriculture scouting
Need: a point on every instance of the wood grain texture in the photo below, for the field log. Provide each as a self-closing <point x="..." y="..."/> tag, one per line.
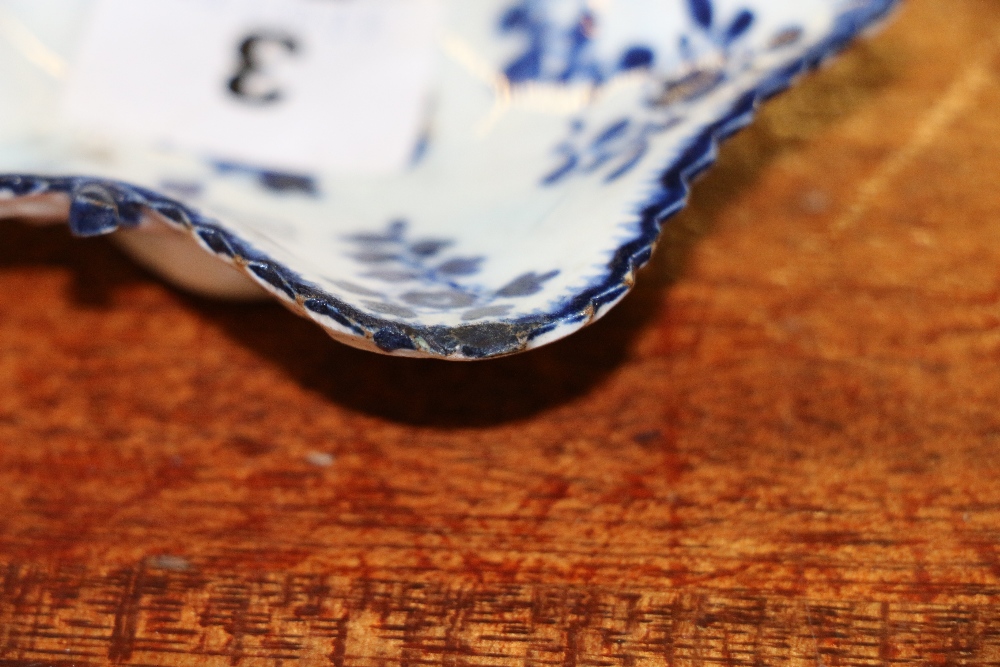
<point x="782" y="448"/>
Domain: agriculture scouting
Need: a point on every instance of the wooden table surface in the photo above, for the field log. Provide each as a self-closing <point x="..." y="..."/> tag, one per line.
<point x="782" y="448"/>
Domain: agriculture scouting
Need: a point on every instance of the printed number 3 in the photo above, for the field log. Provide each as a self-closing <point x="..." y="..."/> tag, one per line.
<point x="244" y="85"/>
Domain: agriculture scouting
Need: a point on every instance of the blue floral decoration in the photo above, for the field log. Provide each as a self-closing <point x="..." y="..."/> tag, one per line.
<point x="269" y="179"/>
<point x="433" y="279"/>
<point x="619" y="145"/>
<point x="562" y="52"/>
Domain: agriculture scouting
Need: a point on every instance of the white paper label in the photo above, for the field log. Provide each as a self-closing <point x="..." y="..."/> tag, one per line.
<point x="285" y="84"/>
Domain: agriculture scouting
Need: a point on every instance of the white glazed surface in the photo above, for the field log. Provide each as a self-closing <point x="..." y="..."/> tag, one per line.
<point x="548" y="164"/>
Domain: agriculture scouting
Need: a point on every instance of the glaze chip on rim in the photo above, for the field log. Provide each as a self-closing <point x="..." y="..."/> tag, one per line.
<point x="560" y="136"/>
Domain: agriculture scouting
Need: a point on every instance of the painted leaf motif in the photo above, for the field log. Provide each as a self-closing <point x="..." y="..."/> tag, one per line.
<point x="636" y="57"/>
<point x="461" y="266"/>
<point x="701" y="12"/>
<point x="738" y="26"/>
<point x="526" y="285"/>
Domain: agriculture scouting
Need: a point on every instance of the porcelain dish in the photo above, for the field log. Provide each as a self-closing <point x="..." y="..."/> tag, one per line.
<point x="559" y="137"/>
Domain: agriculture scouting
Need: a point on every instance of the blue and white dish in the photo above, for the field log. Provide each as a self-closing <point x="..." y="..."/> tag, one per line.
<point x="560" y="135"/>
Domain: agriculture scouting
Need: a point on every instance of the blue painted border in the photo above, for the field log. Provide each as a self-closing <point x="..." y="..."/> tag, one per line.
<point x="101" y="206"/>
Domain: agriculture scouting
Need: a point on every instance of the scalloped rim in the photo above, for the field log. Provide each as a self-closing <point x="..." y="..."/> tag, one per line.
<point x="100" y="206"/>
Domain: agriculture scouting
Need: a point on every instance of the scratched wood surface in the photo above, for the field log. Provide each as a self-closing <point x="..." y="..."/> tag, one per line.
<point x="783" y="448"/>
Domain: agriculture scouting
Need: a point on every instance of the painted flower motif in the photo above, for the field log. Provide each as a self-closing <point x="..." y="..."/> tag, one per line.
<point x="560" y="36"/>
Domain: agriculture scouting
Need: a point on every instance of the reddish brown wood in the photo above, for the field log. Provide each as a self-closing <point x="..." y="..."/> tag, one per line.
<point x="781" y="449"/>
